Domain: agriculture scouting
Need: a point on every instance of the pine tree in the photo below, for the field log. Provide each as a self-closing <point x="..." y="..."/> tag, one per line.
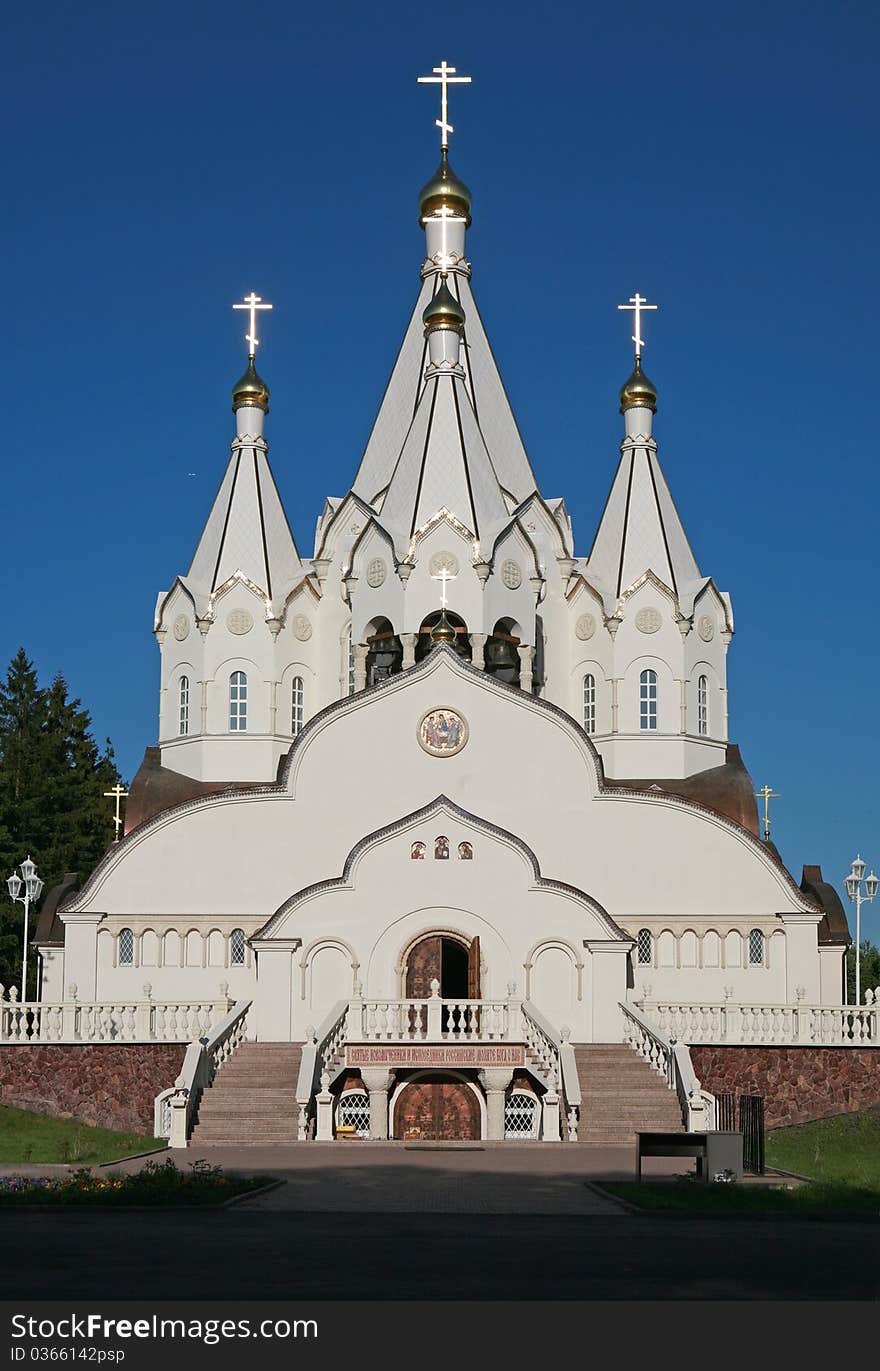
<point x="52" y="782"/>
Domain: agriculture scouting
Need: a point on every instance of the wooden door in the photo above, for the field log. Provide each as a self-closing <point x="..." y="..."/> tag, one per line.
<point x="423" y="965"/>
<point x="474" y="969"/>
<point x="438" y="1109"/>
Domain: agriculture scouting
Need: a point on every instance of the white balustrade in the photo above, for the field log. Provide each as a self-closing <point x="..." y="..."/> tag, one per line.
<point x="76" y="1021"/>
<point x="430" y="1020"/>
<point x="769" y="1024"/>
<point x="669" y="1058"/>
<point x="201" y="1062"/>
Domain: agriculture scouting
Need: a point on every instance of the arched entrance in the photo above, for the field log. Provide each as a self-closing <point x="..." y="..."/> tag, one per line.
<point x="438" y="1107"/>
<point x="450" y="960"/>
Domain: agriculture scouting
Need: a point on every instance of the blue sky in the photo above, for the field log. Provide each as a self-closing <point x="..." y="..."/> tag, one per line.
<point x="162" y="160"/>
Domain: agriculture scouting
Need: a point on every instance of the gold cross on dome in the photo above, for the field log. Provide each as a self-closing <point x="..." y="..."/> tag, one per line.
<point x="443" y="575"/>
<point x="444" y="76"/>
<point x="638" y="303"/>
<point x="252" y="303"/>
<point x="766" y="794"/>
<point x="119" y="794"/>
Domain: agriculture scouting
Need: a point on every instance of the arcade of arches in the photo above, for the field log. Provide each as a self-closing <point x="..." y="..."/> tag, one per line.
<point x="499" y="654"/>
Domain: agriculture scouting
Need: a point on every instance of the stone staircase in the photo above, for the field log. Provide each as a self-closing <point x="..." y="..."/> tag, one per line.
<point x="621" y="1095"/>
<point x="252" y="1102"/>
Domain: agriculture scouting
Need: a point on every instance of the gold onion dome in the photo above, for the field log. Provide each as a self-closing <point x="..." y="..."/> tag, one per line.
<point x="443" y="310"/>
<point x="250" y="390"/>
<point x="445" y="190"/>
<point x="638" y="390"/>
<point x="443" y="631"/>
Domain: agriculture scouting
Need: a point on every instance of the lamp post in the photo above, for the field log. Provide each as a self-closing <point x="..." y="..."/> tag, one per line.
<point x="32" y="889"/>
<point x="853" y="885"/>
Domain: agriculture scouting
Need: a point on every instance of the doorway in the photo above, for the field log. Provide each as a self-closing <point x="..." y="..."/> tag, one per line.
<point x="451" y="961"/>
<point x="437" y="1107"/>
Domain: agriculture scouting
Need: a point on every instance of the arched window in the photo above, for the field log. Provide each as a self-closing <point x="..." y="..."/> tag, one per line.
<point x="645" y="947"/>
<point x="236" y="947"/>
<point x="756" y="947"/>
<point x="353" y="1111"/>
<point x="703" y="706"/>
<point x="183" y="707"/>
<point x="648" y="699"/>
<point x="126" y="947"/>
<point x="521" y="1115"/>
<point x="297" y="696"/>
<point x="237" y="702"/>
<point x="589" y="704"/>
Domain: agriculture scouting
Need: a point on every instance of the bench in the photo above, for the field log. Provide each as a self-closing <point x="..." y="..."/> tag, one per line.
<point x="714" y="1152"/>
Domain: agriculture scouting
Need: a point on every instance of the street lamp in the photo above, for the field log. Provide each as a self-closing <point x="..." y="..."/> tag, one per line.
<point x="853" y="885"/>
<point x="32" y="889"/>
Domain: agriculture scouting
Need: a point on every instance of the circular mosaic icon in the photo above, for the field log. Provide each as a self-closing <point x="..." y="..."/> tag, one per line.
<point x="239" y="621"/>
<point x="302" y="628"/>
<point x="706" y="628"/>
<point x="442" y="732"/>
<point x="376" y="572"/>
<point x="181" y="627"/>
<point x="511" y="574"/>
<point x="585" y="627"/>
<point x="441" y="561"/>
<point x="648" y="620"/>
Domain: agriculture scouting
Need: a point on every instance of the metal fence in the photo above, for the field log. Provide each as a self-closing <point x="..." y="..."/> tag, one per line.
<point x="750" y="1123"/>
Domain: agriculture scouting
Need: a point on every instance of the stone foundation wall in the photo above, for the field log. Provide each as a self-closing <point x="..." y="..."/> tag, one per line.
<point x="112" y="1085"/>
<point x="798" y="1083"/>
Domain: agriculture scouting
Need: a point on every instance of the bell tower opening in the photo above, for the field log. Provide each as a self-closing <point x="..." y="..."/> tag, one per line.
<point x="424" y="641"/>
<point x="502" y="657"/>
<point x="384" y="652"/>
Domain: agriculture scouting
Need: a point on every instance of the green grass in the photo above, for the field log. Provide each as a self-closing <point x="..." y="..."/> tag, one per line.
<point x="158" y="1184"/>
<point x="841" y="1155"/>
<point x="844" y="1150"/>
<point x="29" y="1137"/>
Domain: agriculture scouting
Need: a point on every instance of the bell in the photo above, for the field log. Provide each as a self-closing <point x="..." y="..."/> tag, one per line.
<point x="501" y="656"/>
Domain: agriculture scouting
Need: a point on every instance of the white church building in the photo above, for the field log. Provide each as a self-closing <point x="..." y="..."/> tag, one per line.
<point x="445" y="809"/>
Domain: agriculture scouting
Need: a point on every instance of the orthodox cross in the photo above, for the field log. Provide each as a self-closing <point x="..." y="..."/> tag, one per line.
<point x="443" y="575"/>
<point x="766" y="794"/>
<point x="252" y="303"/>
<point x="637" y="303"/>
<point x="119" y="794"/>
<point x="444" y="76"/>
<point x="446" y="216"/>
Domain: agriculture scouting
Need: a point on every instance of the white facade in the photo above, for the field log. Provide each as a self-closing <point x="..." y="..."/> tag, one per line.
<point x="310" y="681"/>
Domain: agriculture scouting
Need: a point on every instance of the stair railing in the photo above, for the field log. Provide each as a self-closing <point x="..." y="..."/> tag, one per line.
<point x="201" y="1062"/>
<point x="557" y="1063"/>
<point x="669" y="1058"/>
<point x="318" y="1052"/>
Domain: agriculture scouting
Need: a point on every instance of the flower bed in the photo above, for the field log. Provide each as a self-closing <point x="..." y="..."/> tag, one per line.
<point x="156" y="1183"/>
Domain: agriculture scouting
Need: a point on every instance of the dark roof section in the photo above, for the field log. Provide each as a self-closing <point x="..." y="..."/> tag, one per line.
<point x="50" y="930"/>
<point x="156" y="788"/>
<point x="727" y="789"/>
<point x="834" y="928"/>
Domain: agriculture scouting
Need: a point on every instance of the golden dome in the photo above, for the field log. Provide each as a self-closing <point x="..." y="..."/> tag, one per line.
<point x="443" y="631"/>
<point x="443" y="310"/>
<point x="445" y="189"/>
<point x="250" y="390"/>
<point x="638" y="390"/>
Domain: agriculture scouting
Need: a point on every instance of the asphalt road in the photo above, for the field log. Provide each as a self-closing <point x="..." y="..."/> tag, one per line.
<point x="239" y="1254"/>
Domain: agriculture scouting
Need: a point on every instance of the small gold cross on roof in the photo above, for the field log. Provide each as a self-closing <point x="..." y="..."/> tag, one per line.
<point x="444" y="76"/>
<point x="119" y="794"/>
<point x="766" y="794"/>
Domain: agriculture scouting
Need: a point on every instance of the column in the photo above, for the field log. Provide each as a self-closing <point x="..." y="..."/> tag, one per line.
<point x="360" y="667"/>
<point x="203" y="708"/>
<point x="526" y="657"/>
<point x="408" y="641"/>
<point x="682" y="686"/>
<point x="478" y="648"/>
<point x="614" y="684"/>
<point x="378" y="1081"/>
<point x="495" y="1080"/>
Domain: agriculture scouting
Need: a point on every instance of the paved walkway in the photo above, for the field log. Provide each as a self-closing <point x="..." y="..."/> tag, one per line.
<point x="400" y="1178"/>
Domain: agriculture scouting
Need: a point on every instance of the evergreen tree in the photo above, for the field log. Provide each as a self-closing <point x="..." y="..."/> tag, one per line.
<point x="52" y="781"/>
<point x="870" y="969"/>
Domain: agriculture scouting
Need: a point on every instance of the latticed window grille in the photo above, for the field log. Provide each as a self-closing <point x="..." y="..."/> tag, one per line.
<point x="521" y="1115"/>
<point x="756" y="947"/>
<point x="183" y="714"/>
<point x="354" y="1111"/>
<point x="703" y="706"/>
<point x="589" y="704"/>
<point x="648" y="699"/>
<point x="297" y="695"/>
<point x="236" y="947"/>
<point x="126" y="947"/>
<point x="237" y="702"/>
<point x="645" y="947"/>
